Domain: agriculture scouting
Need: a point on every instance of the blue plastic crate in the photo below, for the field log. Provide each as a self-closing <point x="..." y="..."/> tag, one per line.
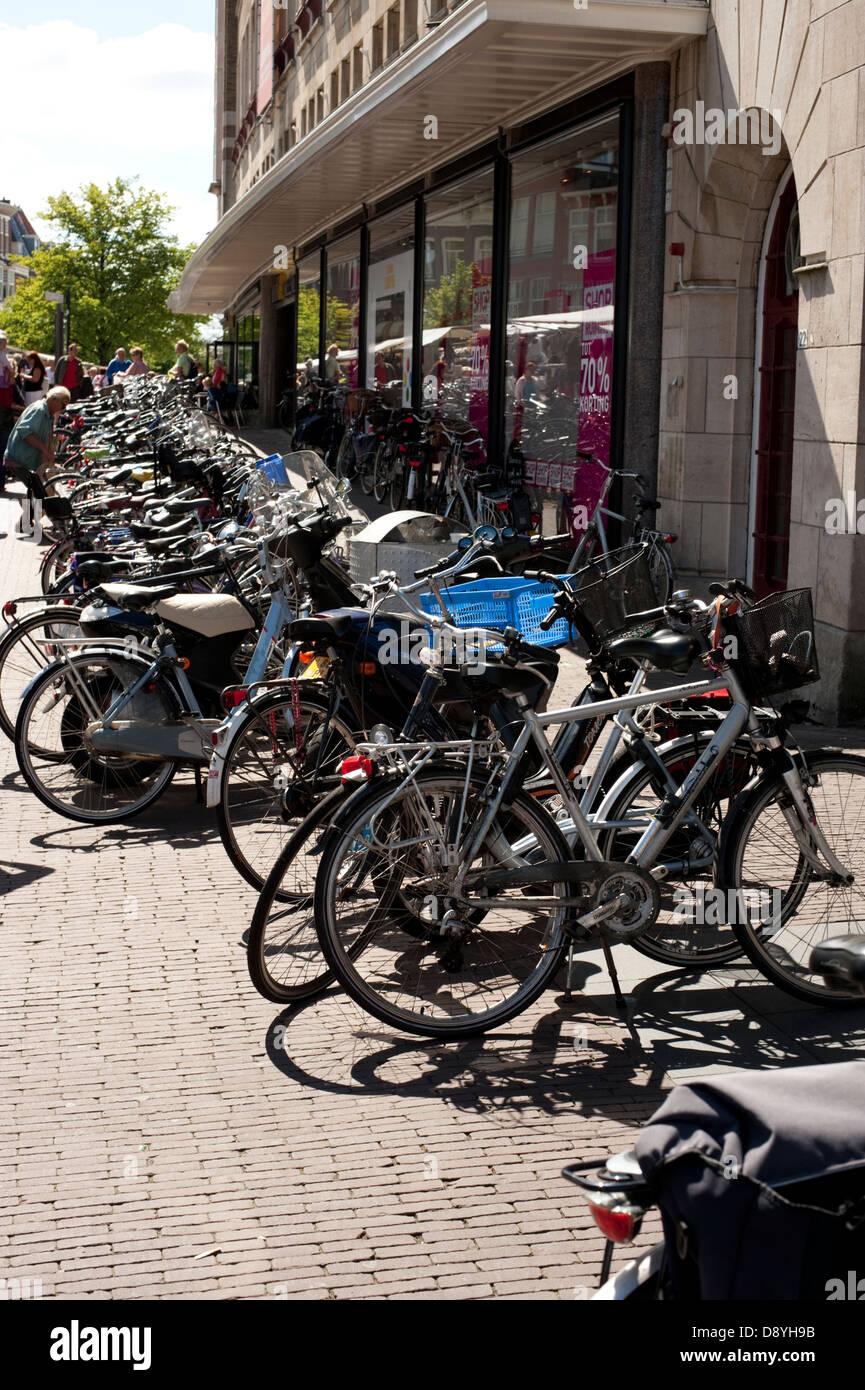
<point x="274" y="469"/>
<point x="507" y="601"/>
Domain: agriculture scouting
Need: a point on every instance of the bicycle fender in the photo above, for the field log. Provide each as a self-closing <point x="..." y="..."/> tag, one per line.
<point x="113" y="653"/>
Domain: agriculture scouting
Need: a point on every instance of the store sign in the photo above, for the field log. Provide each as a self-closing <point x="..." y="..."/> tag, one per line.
<point x="596" y="385"/>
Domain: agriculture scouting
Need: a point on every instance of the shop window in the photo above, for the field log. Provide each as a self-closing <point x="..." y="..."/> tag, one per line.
<point x="519" y="226"/>
<point x="559" y="353"/>
<point x="545" y="224"/>
<point x="308" y="311"/>
<point x="409" y="20"/>
<point x="453" y="249"/>
<point x="390" y="299"/>
<point x="392" y="32"/>
<point x="343" y="311"/>
<point x="456" y="309"/>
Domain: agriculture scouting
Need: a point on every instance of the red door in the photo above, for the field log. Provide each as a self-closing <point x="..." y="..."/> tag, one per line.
<point x="777" y="400"/>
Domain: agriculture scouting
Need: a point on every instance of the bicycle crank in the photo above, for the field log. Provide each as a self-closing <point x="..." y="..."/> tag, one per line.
<point x="621" y="900"/>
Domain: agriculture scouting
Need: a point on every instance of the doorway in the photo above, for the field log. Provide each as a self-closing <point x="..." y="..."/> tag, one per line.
<point x="776" y="386"/>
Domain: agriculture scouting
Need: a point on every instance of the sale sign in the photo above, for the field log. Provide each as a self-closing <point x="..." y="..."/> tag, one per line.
<point x="596" y="382"/>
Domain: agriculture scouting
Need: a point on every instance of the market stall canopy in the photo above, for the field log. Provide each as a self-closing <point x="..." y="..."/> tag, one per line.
<point x="490" y="64"/>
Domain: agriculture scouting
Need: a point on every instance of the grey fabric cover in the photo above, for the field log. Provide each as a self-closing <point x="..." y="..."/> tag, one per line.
<point x="777" y="1127"/>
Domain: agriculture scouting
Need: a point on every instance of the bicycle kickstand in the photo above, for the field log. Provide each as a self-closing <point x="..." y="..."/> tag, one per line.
<point x="199" y="791"/>
<point x="621" y="1000"/>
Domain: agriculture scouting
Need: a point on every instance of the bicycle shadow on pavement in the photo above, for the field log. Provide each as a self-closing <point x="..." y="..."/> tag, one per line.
<point x="14" y="874"/>
<point x="581" y="1053"/>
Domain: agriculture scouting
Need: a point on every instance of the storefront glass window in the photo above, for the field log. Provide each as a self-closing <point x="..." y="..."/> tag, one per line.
<point x="247" y="350"/>
<point x="456" y="300"/>
<point x="560" y="311"/>
<point x="343" y="310"/>
<point x="308" y="311"/>
<point x="390" y="296"/>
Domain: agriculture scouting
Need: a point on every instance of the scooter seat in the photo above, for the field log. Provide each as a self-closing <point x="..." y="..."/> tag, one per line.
<point x="210" y="615"/>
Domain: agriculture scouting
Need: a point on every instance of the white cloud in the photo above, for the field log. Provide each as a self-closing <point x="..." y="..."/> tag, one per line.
<point x="88" y="108"/>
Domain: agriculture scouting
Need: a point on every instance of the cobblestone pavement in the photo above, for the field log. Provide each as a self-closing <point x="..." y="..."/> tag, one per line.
<point x="167" y="1133"/>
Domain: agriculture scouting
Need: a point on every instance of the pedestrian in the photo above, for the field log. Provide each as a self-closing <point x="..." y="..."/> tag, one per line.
<point x="184" y="367"/>
<point x="100" y="378"/>
<point x="138" y="366"/>
<point x="218" y="389"/>
<point x="332" y="369"/>
<point x="526" y="386"/>
<point x="10" y="408"/>
<point x="30" y="447"/>
<point x="32" y="378"/>
<point x="49" y="371"/>
<point x="69" y="372"/>
<point x="382" y="376"/>
<point x="86" y="385"/>
<point x="117" y="365"/>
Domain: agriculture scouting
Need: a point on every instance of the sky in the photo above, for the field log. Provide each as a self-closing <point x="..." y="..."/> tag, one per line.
<point x="93" y="92"/>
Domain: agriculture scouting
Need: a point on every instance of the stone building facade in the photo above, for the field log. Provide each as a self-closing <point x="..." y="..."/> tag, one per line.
<point x="707" y="160"/>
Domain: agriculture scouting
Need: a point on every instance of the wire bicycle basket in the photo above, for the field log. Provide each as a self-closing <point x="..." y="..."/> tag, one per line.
<point x="775" y="646"/>
<point x="613" y="589"/>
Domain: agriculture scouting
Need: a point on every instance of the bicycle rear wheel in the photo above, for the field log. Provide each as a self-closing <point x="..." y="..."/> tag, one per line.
<point x="381" y="907"/>
<point x="788" y="909"/>
<point x="56" y="756"/>
<point x="283" y="952"/>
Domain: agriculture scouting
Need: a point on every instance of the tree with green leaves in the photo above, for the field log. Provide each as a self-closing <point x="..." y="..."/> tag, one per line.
<point x="114" y="253"/>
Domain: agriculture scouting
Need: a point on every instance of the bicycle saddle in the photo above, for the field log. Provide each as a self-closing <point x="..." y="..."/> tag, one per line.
<point x="668" y="651"/>
<point x="321" y="629"/>
<point x="136" y="597"/>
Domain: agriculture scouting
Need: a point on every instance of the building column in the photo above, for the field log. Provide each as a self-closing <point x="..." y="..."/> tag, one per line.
<point x="647" y="259"/>
<point x="268" y="354"/>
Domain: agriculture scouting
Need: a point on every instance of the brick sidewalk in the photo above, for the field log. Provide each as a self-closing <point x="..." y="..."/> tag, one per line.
<point x="168" y="1134"/>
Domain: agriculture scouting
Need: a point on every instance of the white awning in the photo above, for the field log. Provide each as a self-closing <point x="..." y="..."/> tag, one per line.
<point x="491" y="63"/>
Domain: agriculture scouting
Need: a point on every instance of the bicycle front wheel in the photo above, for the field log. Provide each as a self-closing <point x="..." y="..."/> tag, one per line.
<point x="26" y="649"/>
<point x="401" y="943"/>
<point x="788" y="908"/>
<point x="281" y="761"/>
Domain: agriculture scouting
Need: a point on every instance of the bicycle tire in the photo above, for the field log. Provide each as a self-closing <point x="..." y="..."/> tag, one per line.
<point x="84" y="766"/>
<point x="251" y="816"/>
<point x="704" y="945"/>
<point x="345" y="956"/>
<point x="770" y="946"/>
<point x="21" y="633"/>
<point x="293" y="906"/>
<point x="381" y="472"/>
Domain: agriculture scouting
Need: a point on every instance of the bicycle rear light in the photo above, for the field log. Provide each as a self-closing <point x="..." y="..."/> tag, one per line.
<point x="306" y="658"/>
<point x="616" y="1218"/>
<point x="10" y="609"/>
<point x="670" y="539"/>
<point x="233" y="696"/>
<point x="356" y="768"/>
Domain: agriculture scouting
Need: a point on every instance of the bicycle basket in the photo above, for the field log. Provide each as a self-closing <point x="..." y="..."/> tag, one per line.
<point x="614" y="587"/>
<point x="776" y="648"/>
